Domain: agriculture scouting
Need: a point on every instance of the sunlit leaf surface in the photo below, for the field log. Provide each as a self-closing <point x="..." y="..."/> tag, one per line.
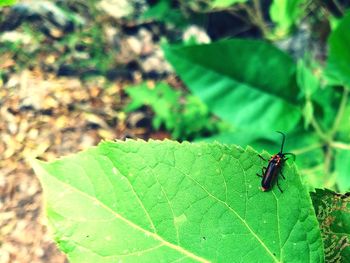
<point x="168" y="202"/>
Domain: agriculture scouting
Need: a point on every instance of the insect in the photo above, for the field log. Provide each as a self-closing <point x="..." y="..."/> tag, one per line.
<point x="274" y="168"/>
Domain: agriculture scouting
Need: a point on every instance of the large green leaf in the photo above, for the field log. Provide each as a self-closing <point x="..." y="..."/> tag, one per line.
<point x="164" y="202"/>
<point x="338" y="63"/>
<point x="248" y="83"/>
<point x="333" y="214"/>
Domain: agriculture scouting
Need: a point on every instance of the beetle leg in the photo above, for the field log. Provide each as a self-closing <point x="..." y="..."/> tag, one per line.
<point x="262" y="157"/>
<point x="263" y="170"/>
<point x="278" y="186"/>
<point x="282" y="175"/>
<point x="292" y="154"/>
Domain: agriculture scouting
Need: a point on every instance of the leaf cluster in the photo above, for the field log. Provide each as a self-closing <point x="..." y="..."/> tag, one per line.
<point x="184" y="115"/>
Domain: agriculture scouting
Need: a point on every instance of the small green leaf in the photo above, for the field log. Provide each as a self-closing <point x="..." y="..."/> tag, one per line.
<point x="307" y="81"/>
<point x="342" y="165"/>
<point x="325" y="103"/>
<point x="163" y="100"/>
<point x="164" y="201"/>
<point x="286" y="13"/>
<point x="163" y="11"/>
<point x="308" y="113"/>
<point x="333" y="214"/>
<point x="247" y="83"/>
<point x="7" y="2"/>
<point x="338" y="63"/>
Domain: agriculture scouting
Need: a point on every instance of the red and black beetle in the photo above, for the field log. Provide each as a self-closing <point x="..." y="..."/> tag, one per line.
<point x="274" y="168"/>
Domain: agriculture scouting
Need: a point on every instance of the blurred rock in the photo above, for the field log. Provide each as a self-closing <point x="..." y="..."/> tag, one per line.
<point x="116" y="8"/>
<point x="298" y="43"/>
<point x="14" y="36"/>
<point x="156" y="62"/>
<point x="45" y="15"/>
<point x="196" y="33"/>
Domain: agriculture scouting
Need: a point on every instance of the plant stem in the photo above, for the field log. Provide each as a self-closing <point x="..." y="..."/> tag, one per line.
<point x="312" y="169"/>
<point x="318" y="129"/>
<point x="327" y="165"/>
<point x="340" y="145"/>
<point x="307" y="149"/>
<point x="339" y="7"/>
<point x="259" y="18"/>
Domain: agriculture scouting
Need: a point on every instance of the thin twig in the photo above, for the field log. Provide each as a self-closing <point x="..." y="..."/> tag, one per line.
<point x="259" y="18"/>
<point x="318" y="129"/>
<point x="340" y="145"/>
<point x="327" y="165"/>
<point x="307" y="149"/>
<point x="339" y="7"/>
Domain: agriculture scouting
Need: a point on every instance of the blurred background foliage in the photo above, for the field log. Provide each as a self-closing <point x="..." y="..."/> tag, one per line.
<point x="233" y="71"/>
<point x="249" y="68"/>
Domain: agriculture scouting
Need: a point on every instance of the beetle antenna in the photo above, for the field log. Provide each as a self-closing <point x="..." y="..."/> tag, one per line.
<point x="283" y="139"/>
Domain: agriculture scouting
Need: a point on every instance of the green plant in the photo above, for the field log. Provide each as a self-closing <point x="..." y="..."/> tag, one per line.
<point x="185" y="116"/>
<point x="7" y="2"/>
<point x="95" y="54"/>
<point x="285" y="14"/>
<point x="166" y="201"/>
<point x="163" y="11"/>
<point x="256" y="87"/>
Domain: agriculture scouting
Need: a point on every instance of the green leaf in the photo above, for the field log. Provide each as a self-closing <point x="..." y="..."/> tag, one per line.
<point x="344" y="125"/>
<point x="286" y="13"/>
<point x="307" y="81"/>
<point x="164" y="201"/>
<point x="163" y="11"/>
<point x="7" y="2"/>
<point x="342" y="165"/>
<point x="333" y="214"/>
<point x="163" y="100"/>
<point x="325" y="104"/>
<point x="225" y="3"/>
<point x="308" y="113"/>
<point x="248" y="83"/>
<point x="338" y="63"/>
<point x="308" y="84"/>
<point x="185" y="117"/>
